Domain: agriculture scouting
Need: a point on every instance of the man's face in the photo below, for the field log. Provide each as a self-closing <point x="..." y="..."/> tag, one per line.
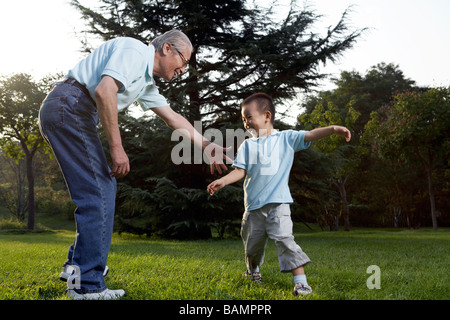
<point x="176" y="61"/>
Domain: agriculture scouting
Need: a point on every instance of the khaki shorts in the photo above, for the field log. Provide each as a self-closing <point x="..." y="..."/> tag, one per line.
<point x="271" y="221"/>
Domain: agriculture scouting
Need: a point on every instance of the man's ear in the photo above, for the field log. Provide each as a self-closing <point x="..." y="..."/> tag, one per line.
<point x="166" y="48"/>
<point x="268" y="115"/>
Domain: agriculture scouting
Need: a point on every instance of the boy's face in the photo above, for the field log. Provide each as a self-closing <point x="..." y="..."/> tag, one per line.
<point x="256" y="122"/>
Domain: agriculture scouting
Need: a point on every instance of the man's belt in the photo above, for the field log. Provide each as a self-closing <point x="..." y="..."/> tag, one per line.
<point x="75" y="83"/>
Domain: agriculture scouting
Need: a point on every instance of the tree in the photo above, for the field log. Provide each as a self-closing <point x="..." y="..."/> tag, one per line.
<point x="159" y="198"/>
<point x="20" y="99"/>
<point x="239" y="49"/>
<point x="363" y="92"/>
<point x="334" y="146"/>
<point x="309" y="182"/>
<point x="13" y="186"/>
<point x="350" y="103"/>
<point x="416" y="128"/>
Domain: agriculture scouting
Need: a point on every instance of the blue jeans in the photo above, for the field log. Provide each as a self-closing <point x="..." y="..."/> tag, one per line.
<point x="68" y="121"/>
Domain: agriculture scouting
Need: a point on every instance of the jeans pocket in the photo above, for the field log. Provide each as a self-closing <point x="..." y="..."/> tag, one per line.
<point x="52" y="113"/>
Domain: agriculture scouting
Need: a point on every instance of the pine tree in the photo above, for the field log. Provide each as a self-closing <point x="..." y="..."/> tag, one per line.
<point x="240" y="48"/>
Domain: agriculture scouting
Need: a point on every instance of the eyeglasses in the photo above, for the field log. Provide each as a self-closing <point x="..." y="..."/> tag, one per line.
<point x="185" y="61"/>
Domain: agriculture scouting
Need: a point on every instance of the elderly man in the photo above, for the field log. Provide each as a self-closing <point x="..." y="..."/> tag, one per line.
<point x="118" y="73"/>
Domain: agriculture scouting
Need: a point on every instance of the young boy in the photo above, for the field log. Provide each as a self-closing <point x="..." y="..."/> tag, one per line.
<point x="265" y="160"/>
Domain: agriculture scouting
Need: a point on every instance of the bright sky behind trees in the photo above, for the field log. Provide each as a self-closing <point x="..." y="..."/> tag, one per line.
<point x="39" y="37"/>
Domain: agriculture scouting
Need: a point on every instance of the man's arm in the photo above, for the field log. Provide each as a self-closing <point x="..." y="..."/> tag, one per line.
<point x="106" y="99"/>
<point x="176" y="121"/>
<point x="234" y="176"/>
<point x="325" y="132"/>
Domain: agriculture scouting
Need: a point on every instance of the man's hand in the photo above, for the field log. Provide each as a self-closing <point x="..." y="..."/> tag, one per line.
<point x="120" y="162"/>
<point x="216" y="154"/>
<point x="106" y="98"/>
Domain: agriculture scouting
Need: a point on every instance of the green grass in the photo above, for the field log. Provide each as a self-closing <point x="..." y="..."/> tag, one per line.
<point x="414" y="266"/>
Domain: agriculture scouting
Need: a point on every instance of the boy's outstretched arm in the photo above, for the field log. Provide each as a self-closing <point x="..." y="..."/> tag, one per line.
<point x="325" y="132"/>
<point x="234" y="176"/>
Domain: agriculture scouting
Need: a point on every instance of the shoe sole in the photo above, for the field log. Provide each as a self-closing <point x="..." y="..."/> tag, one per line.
<point x="105" y="295"/>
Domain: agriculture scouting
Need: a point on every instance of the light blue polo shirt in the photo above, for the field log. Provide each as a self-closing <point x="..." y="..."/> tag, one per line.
<point x="268" y="162"/>
<point x="130" y="62"/>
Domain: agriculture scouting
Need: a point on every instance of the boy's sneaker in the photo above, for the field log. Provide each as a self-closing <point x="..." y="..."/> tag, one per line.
<point x="255" y="276"/>
<point x="302" y="289"/>
<point x="68" y="270"/>
<point x="106" y="294"/>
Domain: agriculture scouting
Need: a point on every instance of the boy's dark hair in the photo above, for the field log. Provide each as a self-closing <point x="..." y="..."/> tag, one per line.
<point x="264" y="103"/>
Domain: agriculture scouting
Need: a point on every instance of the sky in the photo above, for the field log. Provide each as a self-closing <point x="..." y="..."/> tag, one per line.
<point x="40" y="36"/>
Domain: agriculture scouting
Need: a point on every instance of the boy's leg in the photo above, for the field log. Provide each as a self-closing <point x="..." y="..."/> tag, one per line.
<point x="254" y="237"/>
<point x="298" y="271"/>
<point x="279" y="228"/>
<point x="299" y="276"/>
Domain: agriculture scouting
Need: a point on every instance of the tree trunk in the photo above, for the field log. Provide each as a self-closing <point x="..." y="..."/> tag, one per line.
<point x="345" y="207"/>
<point x="30" y="178"/>
<point x="428" y="165"/>
<point x="343" y="193"/>
<point x="20" y="206"/>
<point x="429" y="170"/>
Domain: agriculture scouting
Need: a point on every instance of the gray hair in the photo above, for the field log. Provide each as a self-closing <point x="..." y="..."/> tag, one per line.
<point x="175" y="37"/>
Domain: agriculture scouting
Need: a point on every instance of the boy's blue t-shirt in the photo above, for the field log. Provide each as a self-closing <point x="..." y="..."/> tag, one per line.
<point x="128" y="61"/>
<point x="268" y="162"/>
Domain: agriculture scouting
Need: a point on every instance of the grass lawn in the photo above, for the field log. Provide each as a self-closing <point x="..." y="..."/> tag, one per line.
<point x="414" y="265"/>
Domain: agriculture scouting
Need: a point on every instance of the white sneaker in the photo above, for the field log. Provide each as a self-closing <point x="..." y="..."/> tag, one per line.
<point x="68" y="270"/>
<point x="106" y="294"/>
<point x="301" y="289"/>
<point x="255" y="276"/>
